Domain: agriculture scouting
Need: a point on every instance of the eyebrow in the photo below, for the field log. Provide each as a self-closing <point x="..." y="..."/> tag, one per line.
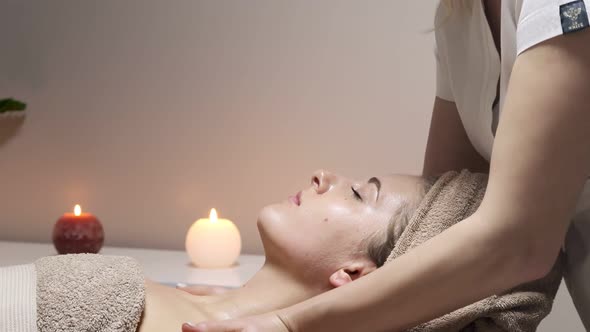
<point x="377" y="183"/>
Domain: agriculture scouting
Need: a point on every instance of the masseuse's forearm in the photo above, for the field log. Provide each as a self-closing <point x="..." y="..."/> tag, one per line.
<point x="460" y="266"/>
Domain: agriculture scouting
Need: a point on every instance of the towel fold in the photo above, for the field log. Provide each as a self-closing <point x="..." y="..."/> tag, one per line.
<point x="87" y="292"/>
<point x="454" y="197"/>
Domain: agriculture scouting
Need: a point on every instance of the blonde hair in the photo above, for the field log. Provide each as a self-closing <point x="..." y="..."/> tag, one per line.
<point x="380" y="244"/>
<point x="450" y="7"/>
<point x="448" y="3"/>
<point x="456" y="4"/>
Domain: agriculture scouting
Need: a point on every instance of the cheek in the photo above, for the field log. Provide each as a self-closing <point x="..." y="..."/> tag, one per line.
<point x="342" y="217"/>
<point x="317" y="224"/>
<point x="336" y="211"/>
<point x="352" y="227"/>
<point x="342" y="227"/>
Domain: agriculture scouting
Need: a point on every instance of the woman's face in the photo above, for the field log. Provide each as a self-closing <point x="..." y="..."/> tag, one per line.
<point x="322" y="228"/>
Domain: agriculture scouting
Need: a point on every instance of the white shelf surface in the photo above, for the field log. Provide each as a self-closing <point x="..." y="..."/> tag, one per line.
<point x="164" y="266"/>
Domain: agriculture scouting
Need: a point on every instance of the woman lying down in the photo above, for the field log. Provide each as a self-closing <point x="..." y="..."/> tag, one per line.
<point x="328" y="235"/>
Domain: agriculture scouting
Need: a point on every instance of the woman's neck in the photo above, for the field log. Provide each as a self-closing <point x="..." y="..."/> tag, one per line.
<point x="270" y="289"/>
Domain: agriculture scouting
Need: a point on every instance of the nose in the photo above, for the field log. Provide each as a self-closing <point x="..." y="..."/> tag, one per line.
<point x="322" y="181"/>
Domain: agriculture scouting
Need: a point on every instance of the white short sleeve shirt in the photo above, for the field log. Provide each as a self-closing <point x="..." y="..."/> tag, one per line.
<point x="469" y="66"/>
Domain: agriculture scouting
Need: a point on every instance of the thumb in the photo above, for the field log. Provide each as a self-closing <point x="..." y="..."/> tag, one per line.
<point x="192" y="327"/>
<point x="209" y="327"/>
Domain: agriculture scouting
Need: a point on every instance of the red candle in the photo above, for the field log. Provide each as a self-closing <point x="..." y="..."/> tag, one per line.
<point x="78" y="232"/>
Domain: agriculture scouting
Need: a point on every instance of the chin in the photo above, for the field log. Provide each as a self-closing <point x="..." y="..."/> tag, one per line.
<point x="273" y="229"/>
<point x="268" y="215"/>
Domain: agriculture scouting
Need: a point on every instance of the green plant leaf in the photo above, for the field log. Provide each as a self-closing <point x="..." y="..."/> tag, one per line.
<point x="11" y="105"/>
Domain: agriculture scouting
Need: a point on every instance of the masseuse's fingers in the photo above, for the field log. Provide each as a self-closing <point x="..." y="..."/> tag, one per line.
<point x="214" y="327"/>
<point x="263" y="323"/>
<point x="217" y="327"/>
<point x="222" y="327"/>
<point x="202" y="290"/>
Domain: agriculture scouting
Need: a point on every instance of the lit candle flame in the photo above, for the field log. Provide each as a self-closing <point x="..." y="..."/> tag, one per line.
<point x="77" y="210"/>
<point x="213" y="215"/>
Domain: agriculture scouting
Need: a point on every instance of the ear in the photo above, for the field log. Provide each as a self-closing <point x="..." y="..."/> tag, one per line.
<point x="351" y="272"/>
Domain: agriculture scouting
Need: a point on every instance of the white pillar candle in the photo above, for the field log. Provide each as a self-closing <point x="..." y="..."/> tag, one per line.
<point x="213" y="242"/>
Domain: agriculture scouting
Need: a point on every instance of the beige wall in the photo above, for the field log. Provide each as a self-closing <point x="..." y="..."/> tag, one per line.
<point x="150" y="113"/>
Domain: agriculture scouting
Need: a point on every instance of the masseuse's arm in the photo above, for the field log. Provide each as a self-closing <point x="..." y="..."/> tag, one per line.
<point x="540" y="160"/>
<point x="448" y="147"/>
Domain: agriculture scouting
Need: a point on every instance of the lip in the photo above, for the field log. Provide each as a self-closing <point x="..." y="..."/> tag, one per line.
<point x="296" y="199"/>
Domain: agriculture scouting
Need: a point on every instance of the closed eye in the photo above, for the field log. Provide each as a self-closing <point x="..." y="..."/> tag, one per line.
<point x="356" y="194"/>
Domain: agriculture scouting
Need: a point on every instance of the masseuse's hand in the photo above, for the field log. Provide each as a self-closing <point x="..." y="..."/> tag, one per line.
<point x="202" y="290"/>
<point x="270" y="322"/>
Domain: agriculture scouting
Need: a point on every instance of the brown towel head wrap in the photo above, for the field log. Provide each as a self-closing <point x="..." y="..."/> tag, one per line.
<point x="452" y="198"/>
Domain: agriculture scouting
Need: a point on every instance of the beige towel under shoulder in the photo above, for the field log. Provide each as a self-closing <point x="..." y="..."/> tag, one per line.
<point x="18" y="307"/>
<point x="87" y="292"/>
<point x="454" y="197"/>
